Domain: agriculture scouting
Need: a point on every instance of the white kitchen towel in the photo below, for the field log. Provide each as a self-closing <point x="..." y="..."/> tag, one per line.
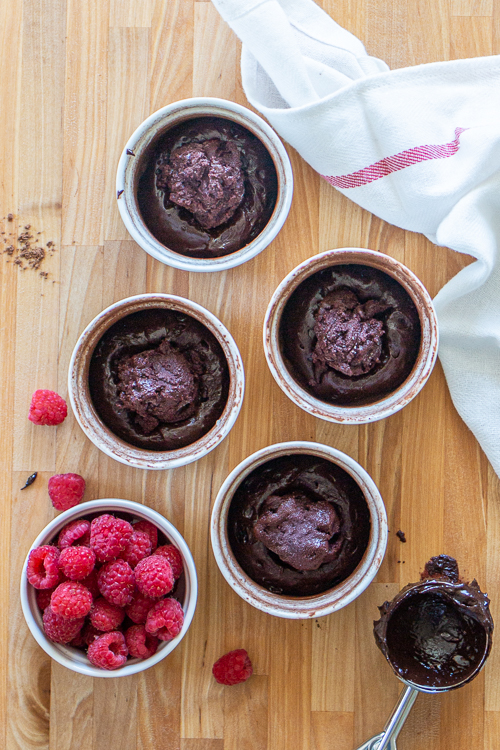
<point x="419" y="147"/>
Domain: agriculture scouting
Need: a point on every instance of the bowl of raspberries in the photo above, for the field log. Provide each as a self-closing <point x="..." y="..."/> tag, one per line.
<point x="109" y="588"/>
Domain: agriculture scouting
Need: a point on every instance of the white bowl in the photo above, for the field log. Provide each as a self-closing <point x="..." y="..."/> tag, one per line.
<point x="73" y="658"/>
<point x="95" y="429"/>
<point x="153" y="128"/>
<point x="292" y="607"/>
<point x="386" y="405"/>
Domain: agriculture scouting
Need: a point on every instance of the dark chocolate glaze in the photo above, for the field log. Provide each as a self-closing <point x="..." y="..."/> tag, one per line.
<point x="176" y="227"/>
<point x="436" y="634"/>
<point x="400" y="341"/>
<point x="319" y="480"/>
<point x="142" y="331"/>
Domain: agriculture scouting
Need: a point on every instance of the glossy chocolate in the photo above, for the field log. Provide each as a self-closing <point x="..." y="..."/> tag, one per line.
<point x="436" y="633"/>
<point x="146" y="331"/>
<point x="174" y="225"/>
<point x="382" y="323"/>
<point x="337" y="543"/>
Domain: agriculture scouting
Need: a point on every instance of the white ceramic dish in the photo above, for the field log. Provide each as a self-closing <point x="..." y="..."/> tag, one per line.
<point x="86" y="414"/>
<point x="387" y="405"/>
<point x="129" y="172"/>
<point x="73" y="658"/>
<point x="288" y="606"/>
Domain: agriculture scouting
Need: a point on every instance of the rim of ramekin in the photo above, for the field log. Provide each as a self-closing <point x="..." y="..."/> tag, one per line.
<point x="159" y="122"/>
<point x="72" y="658"/>
<point x="95" y="429"/>
<point x="387" y="405"/>
<point x="299" y="607"/>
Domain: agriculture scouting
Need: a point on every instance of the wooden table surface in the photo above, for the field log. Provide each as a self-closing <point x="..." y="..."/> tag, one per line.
<point x="76" y="79"/>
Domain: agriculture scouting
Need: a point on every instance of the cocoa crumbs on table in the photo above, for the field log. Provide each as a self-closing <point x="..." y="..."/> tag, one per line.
<point x="26" y="252"/>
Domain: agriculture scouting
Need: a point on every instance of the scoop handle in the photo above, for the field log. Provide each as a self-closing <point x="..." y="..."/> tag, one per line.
<point x="387" y="739"/>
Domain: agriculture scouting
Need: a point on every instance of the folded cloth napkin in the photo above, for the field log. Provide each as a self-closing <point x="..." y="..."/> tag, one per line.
<point x="419" y="147"/>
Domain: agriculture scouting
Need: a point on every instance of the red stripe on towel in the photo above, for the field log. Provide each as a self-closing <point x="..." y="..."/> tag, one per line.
<point x="395" y="163"/>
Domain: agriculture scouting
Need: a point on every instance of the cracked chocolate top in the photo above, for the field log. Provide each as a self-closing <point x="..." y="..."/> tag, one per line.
<point x="298" y="525"/>
<point x="299" y="530"/>
<point x="159" y="379"/>
<point x="159" y="385"/>
<point x="436" y="633"/>
<point x="350" y="334"/>
<point x="206" y="178"/>
<point x="207" y="188"/>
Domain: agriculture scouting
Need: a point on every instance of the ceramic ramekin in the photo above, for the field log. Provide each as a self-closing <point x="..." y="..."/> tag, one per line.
<point x="387" y="405"/>
<point x="86" y="414"/>
<point x="299" y="607"/>
<point x="73" y="658"/>
<point x="129" y="172"/>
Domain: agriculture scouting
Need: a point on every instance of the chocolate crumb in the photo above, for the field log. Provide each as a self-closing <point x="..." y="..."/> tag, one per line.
<point x="28" y="226"/>
<point x="30" y="480"/>
<point x="119" y="194"/>
<point x="401" y="535"/>
<point x="50" y="243"/>
<point x="10" y="217"/>
<point x="44" y="274"/>
<point x="130" y="152"/>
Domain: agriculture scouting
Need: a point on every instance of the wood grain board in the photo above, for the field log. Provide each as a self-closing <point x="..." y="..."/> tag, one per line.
<point x="76" y="79"/>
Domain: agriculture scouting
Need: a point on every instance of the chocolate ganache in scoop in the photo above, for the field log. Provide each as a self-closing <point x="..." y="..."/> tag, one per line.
<point x="436" y="633"/>
<point x="298" y="525"/>
<point x="350" y="334"/>
<point x="207" y="188"/>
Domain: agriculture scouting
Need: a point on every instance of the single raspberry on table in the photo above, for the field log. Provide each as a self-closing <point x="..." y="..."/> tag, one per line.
<point x="116" y="582"/>
<point x="149" y="529"/>
<point x="109" y="536"/>
<point x="43" y="598"/>
<point x="138" y="609"/>
<point x="75" y="533"/>
<point x="71" y="599"/>
<point x="165" y="619"/>
<point x="140" y="643"/>
<point x="154" y="576"/>
<point x="109" y="651"/>
<point x="233" y="667"/>
<point x="76" y="563"/>
<point x="60" y="629"/>
<point x="106" y="616"/>
<point x="47" y="408"/>
<point x="66" y="490"/>
<point x="137" y="548"/>
<point x="43" y="567"/>
<point x="172" y="554"/>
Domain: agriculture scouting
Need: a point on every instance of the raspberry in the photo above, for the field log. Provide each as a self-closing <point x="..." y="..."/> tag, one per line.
<point x="78" y="641"/>
<point x="139" y="607"/>
<point x="138" y="547"/>
<point x="106" y="616"/>
<point x="90" y="583"/>
<point x="60" y="629"/>
<point x="172" y="554"/>
<point x="47" y="407"/>
<point x="165" y="619"/>
<point x="76" y="532"/>
<point x="71" y="599"/>
<point x="140" y="643"/>
<point x="43" y="567"/>
<point x="43" y="598"/>
<point x="66" y="490"/>
<point x="233" y="667"/>
<point x="154" y="576"/>
<point x="149" y="529"/>
<point x="109" y="536"/>
<point x="116" y="582"/>
<point x="89" y="633"/>
<point x="109" y="651"/>
<point x="77" y="563"/>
